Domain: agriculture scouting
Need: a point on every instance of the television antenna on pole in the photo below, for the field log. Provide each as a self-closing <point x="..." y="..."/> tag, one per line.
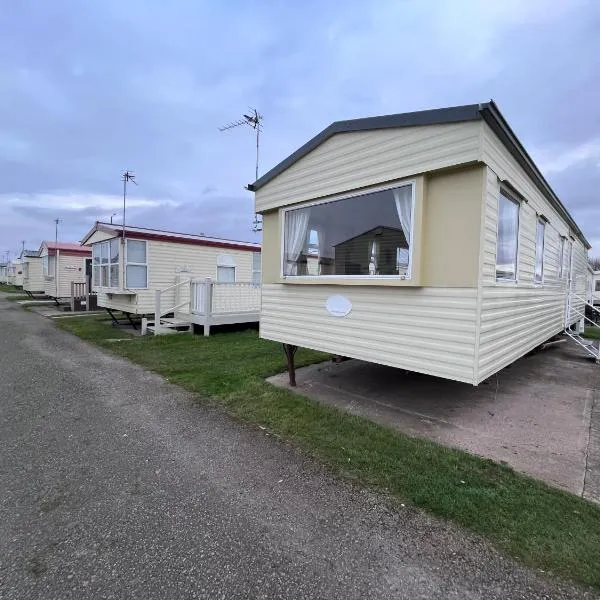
<point x="56" y="222"/>
<point x="126" y="177"/>
<point x="254" y="120"/>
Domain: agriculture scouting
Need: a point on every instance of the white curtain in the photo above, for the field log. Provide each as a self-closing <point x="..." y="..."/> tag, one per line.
<point x="296" y="229"/>
<point x="403" y="198"/>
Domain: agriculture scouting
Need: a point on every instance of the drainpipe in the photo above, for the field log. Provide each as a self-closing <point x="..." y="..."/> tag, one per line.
<point x="56" y="272"/>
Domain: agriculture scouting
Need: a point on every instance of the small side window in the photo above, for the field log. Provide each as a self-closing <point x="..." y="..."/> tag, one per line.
<point x="507" y="239"/>
<point x="539" y="250"/>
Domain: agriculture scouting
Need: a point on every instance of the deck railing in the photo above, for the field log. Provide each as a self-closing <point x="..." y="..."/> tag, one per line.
<point x="217" y="298"/>
<point x="214" y="302"/>
<point x="80" y="292"/>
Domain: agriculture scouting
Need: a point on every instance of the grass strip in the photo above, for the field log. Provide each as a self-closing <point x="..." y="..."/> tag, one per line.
<point x="542" y="526"/>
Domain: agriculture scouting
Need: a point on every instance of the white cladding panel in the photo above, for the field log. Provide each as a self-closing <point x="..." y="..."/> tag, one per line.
<point x="429" y="330"/>
<point x="349" y="161"/>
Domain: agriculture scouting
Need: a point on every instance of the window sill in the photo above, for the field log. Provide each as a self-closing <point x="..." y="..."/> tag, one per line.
<point x="346" y="281"/>
<point x="113" y="291"/>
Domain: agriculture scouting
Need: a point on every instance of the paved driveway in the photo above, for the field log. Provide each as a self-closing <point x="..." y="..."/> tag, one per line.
<point x="114" y="485"/>
<point x="540" y="415"/>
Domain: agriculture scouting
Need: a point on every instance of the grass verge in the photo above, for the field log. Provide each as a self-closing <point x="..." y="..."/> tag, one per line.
<point x="10" y="289"/>
<point x="592" y="332"/>
<point x="541" y="526"/>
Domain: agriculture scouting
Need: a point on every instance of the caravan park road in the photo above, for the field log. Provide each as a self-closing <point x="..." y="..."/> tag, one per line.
<point x="114" y="485"/>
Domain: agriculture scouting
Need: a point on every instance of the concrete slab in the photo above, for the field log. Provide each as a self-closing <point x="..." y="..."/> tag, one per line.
<point x="534" y="415"/>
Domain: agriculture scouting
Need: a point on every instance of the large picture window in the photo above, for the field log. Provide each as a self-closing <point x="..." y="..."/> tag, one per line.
<point x="105" y="264"/>
<point x="136" y="270"/>
<point x="539" y="250"/>
<point x="367" y="235"/>
<point x="507" y="242"/>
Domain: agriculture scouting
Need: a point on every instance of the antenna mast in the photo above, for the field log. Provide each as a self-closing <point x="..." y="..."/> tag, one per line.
<point x="254" y="120"/>
<point x="125" y="178"/>
<point x="56" y="222"/>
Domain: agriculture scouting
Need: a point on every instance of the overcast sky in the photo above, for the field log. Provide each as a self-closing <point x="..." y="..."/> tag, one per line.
<point x="89" y="88"/>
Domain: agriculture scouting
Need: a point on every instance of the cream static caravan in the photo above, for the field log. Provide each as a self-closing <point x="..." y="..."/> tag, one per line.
<point x="33" y="277"/>
<point x="62" y="264"/>
<point x="172" y="264"/>
<point x="458" y="258"/>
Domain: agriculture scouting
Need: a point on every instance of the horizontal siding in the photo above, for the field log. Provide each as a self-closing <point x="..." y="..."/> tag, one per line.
<point x="517" y="317"/>
<point x="35" y="279"/>
<point x="354" y="160"/>
<point x="168" y="263"/>
<point x="428" y="330"/>
<point x="515" y="320"/>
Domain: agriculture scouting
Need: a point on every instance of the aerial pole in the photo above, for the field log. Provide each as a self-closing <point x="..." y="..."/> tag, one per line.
<point x="254" y="120"/>
<point x="126" y="177"/>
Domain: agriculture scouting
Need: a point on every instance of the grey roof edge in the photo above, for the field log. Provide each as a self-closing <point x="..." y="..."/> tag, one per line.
<point x="488" y="111"/>
<point x="493" y="117"/>
<point x="436" y="116"/>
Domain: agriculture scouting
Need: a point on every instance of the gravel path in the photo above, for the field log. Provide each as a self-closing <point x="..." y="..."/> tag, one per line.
<point x="114" y="485"/>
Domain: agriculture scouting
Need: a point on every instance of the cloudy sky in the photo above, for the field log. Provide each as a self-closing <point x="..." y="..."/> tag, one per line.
<point x="89" y="88"/>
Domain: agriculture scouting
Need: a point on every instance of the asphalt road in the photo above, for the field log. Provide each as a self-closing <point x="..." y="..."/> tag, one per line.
<point x="114" y="485"/>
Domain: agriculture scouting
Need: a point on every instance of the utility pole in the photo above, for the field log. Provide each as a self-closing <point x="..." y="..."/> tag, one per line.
<point x="56" y="253"/>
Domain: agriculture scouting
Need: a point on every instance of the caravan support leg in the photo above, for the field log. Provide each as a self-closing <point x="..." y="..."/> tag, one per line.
<point x="290" y="352"/>
<point x="112" y="316"/>
<point x="132" y="323"/>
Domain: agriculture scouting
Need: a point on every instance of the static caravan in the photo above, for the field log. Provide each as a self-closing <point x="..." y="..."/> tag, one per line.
<point x="441" y="247"/>
<point x="132" y="265"/>
<point x="33" y="276"/>
<point x="62" y="264"/>
<point x="18" y="275"/>
<point x="10" y="273"/>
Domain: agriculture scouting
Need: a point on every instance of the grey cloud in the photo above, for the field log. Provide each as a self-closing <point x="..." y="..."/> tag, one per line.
<point x="97" y="88"/>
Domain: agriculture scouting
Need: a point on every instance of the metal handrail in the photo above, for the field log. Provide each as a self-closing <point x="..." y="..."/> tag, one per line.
<point x="174" y="308"/>
<point x="172" y="287"/>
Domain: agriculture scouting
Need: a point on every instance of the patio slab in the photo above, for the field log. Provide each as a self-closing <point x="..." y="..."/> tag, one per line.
<point x="537" y="415"/>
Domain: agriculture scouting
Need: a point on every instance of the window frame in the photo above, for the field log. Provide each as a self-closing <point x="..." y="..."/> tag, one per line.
<point x="234" y="267"/>
<point x="135" y="264"/>
<point x="338" y="198"/>
<point x="97" y="269"/>
<point x="257" y="271"/>
<point x="561" y="256"/>
<point x="540" y="220"/>
<point x="511" y="198"/>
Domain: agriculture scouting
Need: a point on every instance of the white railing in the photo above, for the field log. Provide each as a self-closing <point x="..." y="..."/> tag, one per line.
<point x="160" y="310"/>
<point x="574" y="310"/>
<point x="210" y="297"/>
<point x="216" y="303"/>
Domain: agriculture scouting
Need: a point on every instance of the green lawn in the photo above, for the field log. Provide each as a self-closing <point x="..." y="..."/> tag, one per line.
<point x="16" y="296"/>
<point x="592" y="332"/>
<point x="11" y="289"/>
<point x="545" y="528"/>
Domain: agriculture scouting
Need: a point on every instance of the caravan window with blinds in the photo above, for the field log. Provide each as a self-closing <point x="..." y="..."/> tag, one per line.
<point x="366" y="235"/>
<point x="136" y="269"/>
<point x="507" y="241"/>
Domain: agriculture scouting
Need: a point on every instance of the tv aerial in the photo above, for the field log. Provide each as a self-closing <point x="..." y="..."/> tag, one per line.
<point x="254" y="120"/>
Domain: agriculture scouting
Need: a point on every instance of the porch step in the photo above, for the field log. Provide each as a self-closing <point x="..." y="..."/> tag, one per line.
<point x="168" y="325"/>
<point x="171" y="322"/>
